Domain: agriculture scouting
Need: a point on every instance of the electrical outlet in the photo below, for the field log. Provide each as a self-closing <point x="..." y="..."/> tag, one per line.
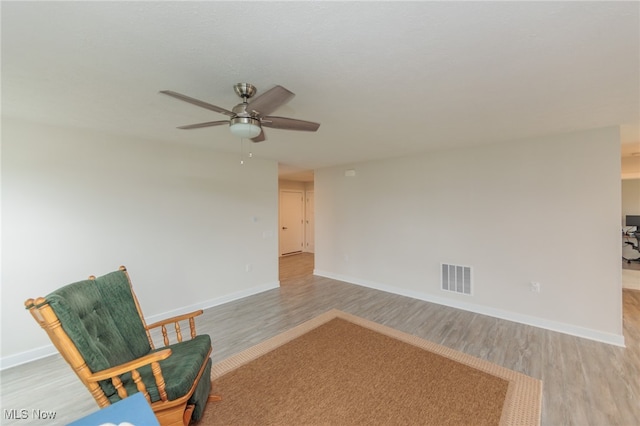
<point x="247" y="267"/>
<point x="535" y="287"/>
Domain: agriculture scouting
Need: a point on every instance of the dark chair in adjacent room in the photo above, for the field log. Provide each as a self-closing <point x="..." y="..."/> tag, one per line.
<point x="98" y="328"/>
<point x="635" y="246"/>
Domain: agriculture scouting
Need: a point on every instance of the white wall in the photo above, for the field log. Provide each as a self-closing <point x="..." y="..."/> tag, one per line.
<point x="295" y="185"/>
<point x="184" y="220"/>
<point x="545" y="210"/>
<point x="292" y="185"/>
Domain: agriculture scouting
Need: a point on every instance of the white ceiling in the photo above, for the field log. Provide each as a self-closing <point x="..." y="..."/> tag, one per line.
<point x="383" y="78"/>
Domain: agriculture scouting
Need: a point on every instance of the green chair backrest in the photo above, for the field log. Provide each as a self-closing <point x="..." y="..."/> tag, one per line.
<point x="101" y="318"/>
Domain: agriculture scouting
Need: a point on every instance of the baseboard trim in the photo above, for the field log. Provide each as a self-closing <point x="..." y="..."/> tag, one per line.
<point x="214" y="302"/>
<point x="27" y="356"/>
<point x="49" y="350"/>
<point x="587" y="333"/>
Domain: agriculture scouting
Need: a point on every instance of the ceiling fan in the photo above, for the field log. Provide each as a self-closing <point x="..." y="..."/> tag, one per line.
<point x="248" y="117"/>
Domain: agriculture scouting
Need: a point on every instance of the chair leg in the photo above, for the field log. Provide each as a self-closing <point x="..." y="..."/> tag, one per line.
<point x="212" y="397"/>
<point x="186" y="417"/>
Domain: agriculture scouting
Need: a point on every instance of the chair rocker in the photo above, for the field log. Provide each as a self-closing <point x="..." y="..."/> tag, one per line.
<point x="98" y="328"/>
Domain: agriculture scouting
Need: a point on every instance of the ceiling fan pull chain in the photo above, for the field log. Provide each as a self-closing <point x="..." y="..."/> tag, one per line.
<point x="242" y="152"/>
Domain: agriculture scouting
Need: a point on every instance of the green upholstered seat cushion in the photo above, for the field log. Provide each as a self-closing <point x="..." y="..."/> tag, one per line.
<point x="179" y="370"/>
<point x="101" y="318"/>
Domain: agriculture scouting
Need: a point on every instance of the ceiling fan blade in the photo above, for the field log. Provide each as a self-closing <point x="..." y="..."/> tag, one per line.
<point x="207" y="124"/>
<point x="289" y="124"/>
<point x="197" y="102"/>
<point x="270" y="100"/>
<point x="260" y="137"/>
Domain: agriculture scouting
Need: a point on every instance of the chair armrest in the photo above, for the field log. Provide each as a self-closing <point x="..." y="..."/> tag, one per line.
<point x="131" y="365"/>
<point x="114" y="373"/>
<point x="175" y="319"/>
<point x="176" y="322"/>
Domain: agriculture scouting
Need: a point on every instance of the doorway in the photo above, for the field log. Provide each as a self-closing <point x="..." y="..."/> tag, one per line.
<point x="630" y="206"/>
<point x="296" y="246"/>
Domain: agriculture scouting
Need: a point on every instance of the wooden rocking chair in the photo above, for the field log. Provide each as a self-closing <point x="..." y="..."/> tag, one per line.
<point x="98" y="327"/>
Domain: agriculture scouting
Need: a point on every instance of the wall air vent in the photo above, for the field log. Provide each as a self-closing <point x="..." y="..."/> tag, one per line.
<point x="456" y="278"/>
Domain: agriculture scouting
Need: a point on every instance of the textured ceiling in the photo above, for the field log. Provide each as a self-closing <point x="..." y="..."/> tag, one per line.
<point x="384" y="78"/>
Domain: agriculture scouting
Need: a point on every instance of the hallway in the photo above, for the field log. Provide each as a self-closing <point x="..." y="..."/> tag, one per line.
<point x="296" y="266"/>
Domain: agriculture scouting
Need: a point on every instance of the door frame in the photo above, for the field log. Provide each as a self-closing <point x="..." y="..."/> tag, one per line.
<point x="309" y="231"/>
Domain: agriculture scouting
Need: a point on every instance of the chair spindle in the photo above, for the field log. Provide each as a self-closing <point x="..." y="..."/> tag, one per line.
<point x="178" y="333"/>
<point x="192" y="326"/>
<point x="122" y="392"/>
<point x="137" y="379"/>
<point x="165" y="336"/>
<point x="157" y="373"/>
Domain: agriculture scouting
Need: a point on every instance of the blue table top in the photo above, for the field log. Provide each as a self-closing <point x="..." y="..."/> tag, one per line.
<point x="134" y="410"/>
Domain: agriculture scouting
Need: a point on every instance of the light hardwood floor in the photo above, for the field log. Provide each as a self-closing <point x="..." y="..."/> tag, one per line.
<point x="584" y="382"/>
<point x="631" y="265"/>
<point x="296" y="266"/>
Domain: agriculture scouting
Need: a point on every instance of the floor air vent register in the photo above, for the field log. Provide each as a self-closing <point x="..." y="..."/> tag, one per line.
<point x="456" y="278"/>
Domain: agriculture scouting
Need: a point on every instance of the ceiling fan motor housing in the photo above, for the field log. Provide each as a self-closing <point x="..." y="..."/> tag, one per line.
<point x="244" y="120"/>
<point x="240" y="110"/>
<point x="245" y="90"/>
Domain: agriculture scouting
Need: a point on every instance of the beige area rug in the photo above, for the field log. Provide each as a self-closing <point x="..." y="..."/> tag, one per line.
<point x="631" y="279"/>
<point x="339" y="369"/>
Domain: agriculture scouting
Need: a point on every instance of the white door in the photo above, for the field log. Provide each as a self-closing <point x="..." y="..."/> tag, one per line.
<point x="291" y="222"/>
<point x="309" y="224"/>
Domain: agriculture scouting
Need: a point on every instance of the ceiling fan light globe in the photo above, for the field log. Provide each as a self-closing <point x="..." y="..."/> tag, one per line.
<point x="245" y="127"/>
